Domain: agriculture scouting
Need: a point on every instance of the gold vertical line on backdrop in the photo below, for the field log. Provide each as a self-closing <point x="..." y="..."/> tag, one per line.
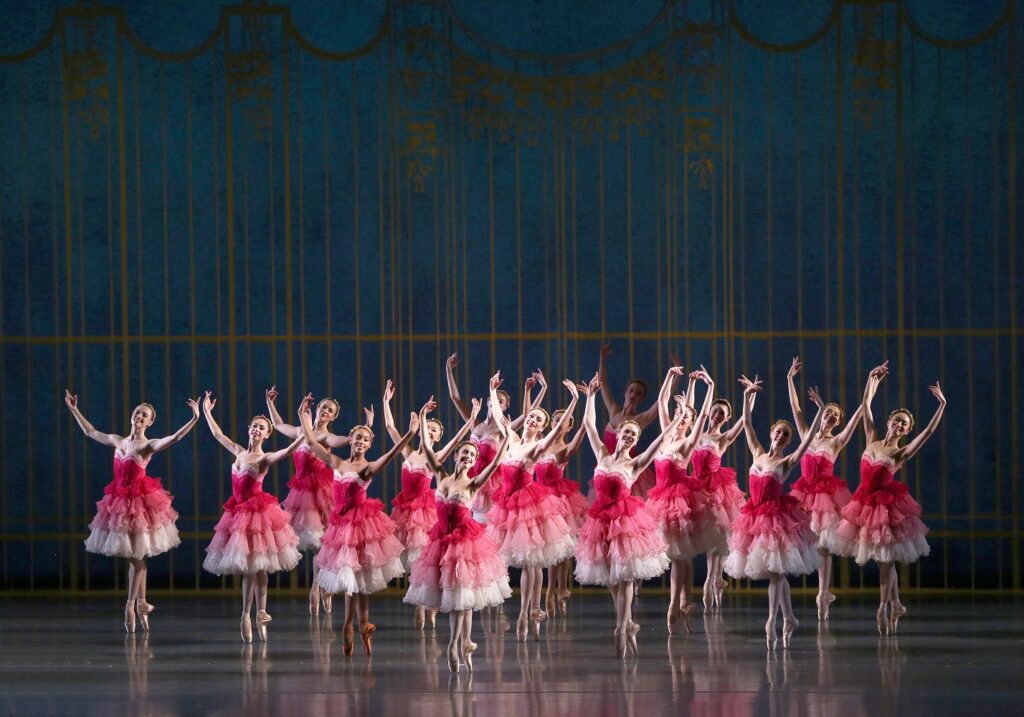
<point x="995" y="273"/>
<point x="728" y="219"/>
<point x="769" y="222"/>
<point x="519" y="252"/>
<point x="840" y="232"/>
<point x="192" y="306"/>
<point x="286" y="162"/>
<point x="166" y="274"/>
<point x="629" y="244"/>
<point x="301" y="223"/>
<point x="968" y="222"/>
<point x="140" y="288"/>
<point x="122" y="221"/>
<point x="575" y="271"/>
<point x="490" y="238"/>
<point x="229" y="195"/>
<point x="328" y="323"/>
<point x="900" y="211"/>
<point x="356" y="230"/>
<point x="1011" y="170"/>
<point x="600" y="228"/>
<point x="4" y="502"/>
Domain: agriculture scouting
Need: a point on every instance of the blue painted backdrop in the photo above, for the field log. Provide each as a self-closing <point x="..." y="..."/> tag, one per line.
<point x="197" y="196"/>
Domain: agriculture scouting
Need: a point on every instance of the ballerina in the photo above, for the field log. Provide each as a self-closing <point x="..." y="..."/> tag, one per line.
<point x="621" y="542"/>
<point x="635" y="393"/>
<point x="720" y="483"/>
<point x="359" y="553"/>
<point x="821" y="493"/>
<point x="772" y="537"/>
<point x="486" y="435"/>
<point x="310" y="498"/>
<point x="550" y="471"/>
<point x="412" y="509"/>
<point x="527" y="520"/>
<point x="459" y="570"/>
<point x="134" y="519"/>
<point x="254" y="537"/>
<point x="882" y="522"/>
<point x="678" y="499"/>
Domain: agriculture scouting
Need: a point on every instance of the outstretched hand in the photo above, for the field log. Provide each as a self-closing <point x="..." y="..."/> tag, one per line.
<point x="571" y="387"/>
<point x="452" y="361"/>
<point x="193" y="403"/>
<point x="937" y="392"/>
<point x="815" y="397"/>
<point x="606" y="350"/>
<point x="272" y="394"/>
<point x="495" y="381"/>
<point x="476" y="405"/>
<point x="209" y="401"/>
<point x="794" y="368"/>
<point x="71" y="399"/>
<point x="879" y="372"/>
<point x="751" y="385"/>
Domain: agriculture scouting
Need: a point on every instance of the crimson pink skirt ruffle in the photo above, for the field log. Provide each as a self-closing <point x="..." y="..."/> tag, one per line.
<point x="135" y="523"/>
<point x="460" y="570"/>
<point x="252" y="536"/>
<point x="687" y="521"/>
<point x="359" y="551"/>
<point x="823" y="499"/>
<point x="310" y="504"/>
<point x="620" y="542"/>
<point x="414" y="516"/>
<point x="485" y="497"/>
<point x="726" y="497"/>
<point x="574" y="504"/>
<point x="886" y="527"/>
<point x="774" y="537"/>
<point x="530" y="528"/>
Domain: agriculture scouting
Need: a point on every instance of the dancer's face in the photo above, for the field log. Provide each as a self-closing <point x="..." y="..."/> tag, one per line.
<point x="830" y="417"/>
<point x="899" y="423"/>
<point x="326" y="412"/>
<point x="629" y="434"/>
<point x="142" y="417"/>
<point x="259" y="430"/>
<point x="434" y="432"/>
<point x="503" y="401"/>
<point x="719" y="414"/>
<point x="359" y="441"/>
<point x="465" y="457"/>
<point x="568" y="424"/>
<point x="635" y="393"/>
<point x="781" y="435"/>
<point x="684" y="425"/>
<point x="535" y="421"/>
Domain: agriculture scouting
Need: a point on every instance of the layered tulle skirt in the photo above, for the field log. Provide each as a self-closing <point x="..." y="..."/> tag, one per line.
<point x="309" y="501"/>
<point x="687" y="520"/>
<point x="883" y="525"/>
<point x="133" y="520"/>
<point x="359" y="552"/>
<point x="414" y="516"/>
<point x="529" y="527"/>
<point x="773" y="537"/>
<point x="620" y="541"/>
<point x="822" y="498"/>
<point x="252" y="536"/>
<point x="726" y="497"/>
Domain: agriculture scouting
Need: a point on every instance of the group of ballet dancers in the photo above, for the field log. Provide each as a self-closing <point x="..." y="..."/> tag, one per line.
<point x="506" y="502"/>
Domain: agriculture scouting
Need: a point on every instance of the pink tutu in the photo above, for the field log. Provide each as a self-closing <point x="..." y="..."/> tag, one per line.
<point x="772" y="535"/>
<point x="254" y="534"/>
<point x="359" y="553"/>
<point x="821" y="494"/>
<point x="720" y="483"/>
<point x="134" y="519"/>
<point x="551" y="474"/>
<point x="487" y="449"/>
<point x="621" y="540"/>
<point x="460" y="568"/>
<point x="881" y="522"/>
<point x="310" y="499"/>
<point x="527" y="521"/>
<point x="413" y="511"/>
<point x="646" y="480"/>
<point x="683" y="510"/>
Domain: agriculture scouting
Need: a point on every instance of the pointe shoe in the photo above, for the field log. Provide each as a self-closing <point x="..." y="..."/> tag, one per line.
<point x="262" y="618"/>
<point x="314" y="600"/>
<point x="535" y="617"/>
<point x="246" y="628"/>
<point x="129" y="617"/>
<point x="467" y="653"/>
<point x="418" y="621"/>
<point x="882" y="620"/>
<point x="432" y="616"/>
<point x="771" y="639"/>
<point x="672" y="619"/>
<point x="631" y="632"/>
<point x="563" y="601"/>
<point x="550" y="603"/>
<point x="348" y="637"/>
<point x="143" y="608"/>
<point x="522" y="629"/>
<point x="720" y="586"/>
<point x="898" y="610"/>
<point x="366" y="633"/>
<point x="453" y="661"/>
<point x="470" y="645"/>
<point x="788" y="628"/>
<point x="708" y="598"/>
<point x="687" y="610"/>
<point x="328" y="600"/>
<point x="620" y="642"/>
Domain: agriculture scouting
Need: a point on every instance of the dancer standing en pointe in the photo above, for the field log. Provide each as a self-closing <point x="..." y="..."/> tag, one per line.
<point x="359" y="553"/>
<point x="882" y="522"/>
<point x="413" y="508"/>
<point x="772" y="537"/>
<point x="678" y="499"/>
<point x="527" y="520"/>
<point x="310" y="497"/>
<point x="459" y="570"/>
<point x="254" y="537"/>
<point x="134" y="519"/>
<point x="822" y="493"/>
<point x="621" y="542"/>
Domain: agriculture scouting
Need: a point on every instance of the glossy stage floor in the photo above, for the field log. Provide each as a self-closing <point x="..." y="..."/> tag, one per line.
<point x="952" y="656"/>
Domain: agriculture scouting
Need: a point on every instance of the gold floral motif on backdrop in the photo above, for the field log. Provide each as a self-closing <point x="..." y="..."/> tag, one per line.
<point x="701" y="69"/>
<point x="250" y="75"/>
<point x="421" y="82"/>
<point x="876" y="65"/>
<point x="86" y="77"/>
<point x="419" y="150"/>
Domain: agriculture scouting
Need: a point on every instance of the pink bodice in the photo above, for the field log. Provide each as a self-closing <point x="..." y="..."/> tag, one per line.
<point x="669" y="471"/>
<point x="514" y="477"/>
<point x="416" y="478"/>
<point x="549" y="472"/>
<point x="349" y="491"/>
<point x="764" y="487"/>
<point x="610" y="487"/>
<point x="815" y="466"/>
<point x="705" y="461"/>
<point x="486" y="449"/>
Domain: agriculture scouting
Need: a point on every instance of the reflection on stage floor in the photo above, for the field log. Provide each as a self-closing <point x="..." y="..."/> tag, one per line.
<point x="952" y="656"/>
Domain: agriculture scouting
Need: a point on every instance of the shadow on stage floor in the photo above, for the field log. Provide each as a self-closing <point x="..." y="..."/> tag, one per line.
<point x="71" y="656"/>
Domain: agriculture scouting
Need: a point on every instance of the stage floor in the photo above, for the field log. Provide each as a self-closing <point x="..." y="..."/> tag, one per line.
<point x="71" y="656"/>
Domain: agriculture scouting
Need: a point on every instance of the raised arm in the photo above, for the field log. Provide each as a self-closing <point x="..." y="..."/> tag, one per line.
<point x="915" y="445"/>
<point x="274" y="456"/>
<point x="646" y="417"/>
<point x="167" y="441"/>
<point x="208" y="403"/>
<point x="733" y="433"/>
<point x="793" y="458"/>
<point x="751" y="388"/>
<point x="665" y="394"/>
<point x="432" y="460"/>
<point x="286" y="429"/>
<point x="701" y="421"/>
<point x="874" y="378"/>
<point x="453" y="389"/>
<point x="495" y="406"/>
<point x="485" y="475"/>
<point x="528" y="402"/>
<point x="544" y="444"/>
<point x="389" y="419"/>
<point x="644" y="459"/>
<point x="846" y="434"/>
<point x="602" y="373"/>
<point x="794" y="397"/>
<point x="371" y="469"/>
<point x="443" y="454"/>
<point x="306" y="422"/>
<point x="590" y="417"/>
<point x="107" y="439"/>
